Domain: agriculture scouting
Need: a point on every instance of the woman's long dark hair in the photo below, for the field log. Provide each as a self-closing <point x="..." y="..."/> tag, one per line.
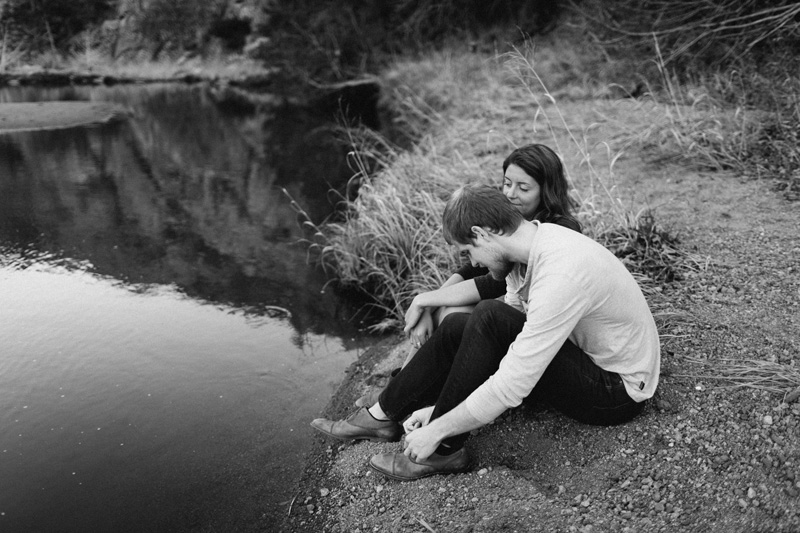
<point x="543" y="165"/>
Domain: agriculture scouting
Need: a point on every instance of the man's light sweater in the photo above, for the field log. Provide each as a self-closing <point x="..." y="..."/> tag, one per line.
<point x="572" y="288"/>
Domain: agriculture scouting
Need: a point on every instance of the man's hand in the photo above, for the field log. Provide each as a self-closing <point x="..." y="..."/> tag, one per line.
<point x="421" y="441"/>
<point x="418" y="418"/>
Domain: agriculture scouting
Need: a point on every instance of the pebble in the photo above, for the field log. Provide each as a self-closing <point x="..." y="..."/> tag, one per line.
<point x="767" y="420"/>
<point x="324" y="492"/>
<point x="742" y="503"/>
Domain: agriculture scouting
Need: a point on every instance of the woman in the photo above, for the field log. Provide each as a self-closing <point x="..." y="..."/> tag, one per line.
<point x="534" y="182"/>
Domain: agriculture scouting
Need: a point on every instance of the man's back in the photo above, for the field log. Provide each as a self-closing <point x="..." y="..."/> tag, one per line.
<point x="574" y="288"/>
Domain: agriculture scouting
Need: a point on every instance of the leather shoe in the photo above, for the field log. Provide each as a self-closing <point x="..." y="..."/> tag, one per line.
<point x="400" y="467"/>
<point x="360" y="426"/>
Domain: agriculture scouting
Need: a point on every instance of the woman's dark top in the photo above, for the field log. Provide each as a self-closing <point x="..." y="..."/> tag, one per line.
<point x="487" y="286"/>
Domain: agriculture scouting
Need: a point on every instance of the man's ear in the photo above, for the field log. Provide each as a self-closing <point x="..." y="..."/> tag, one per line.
<point x="479" y="232"/>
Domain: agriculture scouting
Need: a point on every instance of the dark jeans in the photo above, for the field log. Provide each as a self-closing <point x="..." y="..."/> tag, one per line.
<point x="466" y="349"/>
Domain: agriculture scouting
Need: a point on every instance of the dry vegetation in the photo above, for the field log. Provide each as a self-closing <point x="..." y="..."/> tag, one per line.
<point x="454" y="106"/>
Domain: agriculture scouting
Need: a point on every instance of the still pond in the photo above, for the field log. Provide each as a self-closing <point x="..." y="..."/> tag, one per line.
<point x="164" y="341"/>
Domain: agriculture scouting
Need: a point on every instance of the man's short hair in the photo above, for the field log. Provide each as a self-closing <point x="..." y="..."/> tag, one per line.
<point x="478" y="205"/>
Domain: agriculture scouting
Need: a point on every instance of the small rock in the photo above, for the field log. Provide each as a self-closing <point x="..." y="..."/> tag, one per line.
<point x="324" y="492"/>
<point x="663" y="405"/>
<point x="751" y="493"/>
<point x="310" y="508"/>
<point x="483" y="472"/>
<point x="742" y="503"/>
<point x="768" y="420"/>
<point x="793" y="396"/>
<point x="659" y="507"/>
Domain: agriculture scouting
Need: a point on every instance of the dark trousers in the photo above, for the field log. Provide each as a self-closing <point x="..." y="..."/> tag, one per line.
<point x="466" y="349"/>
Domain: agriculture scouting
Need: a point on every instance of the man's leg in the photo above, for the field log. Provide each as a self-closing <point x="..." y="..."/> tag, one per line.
<point x="462" y="353"/>
<point x="484" y="341"/>
<point x="580" y="389"/>
<point x="417" y="385"/>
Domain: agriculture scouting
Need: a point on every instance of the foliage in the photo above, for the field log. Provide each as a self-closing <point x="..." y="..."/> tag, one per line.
<point x="330" y="38"/>
<point x="696" y="33"/>
<point x="175" y="25"/>
<point x="49" y="25"/>
<point x="728" y="69"/>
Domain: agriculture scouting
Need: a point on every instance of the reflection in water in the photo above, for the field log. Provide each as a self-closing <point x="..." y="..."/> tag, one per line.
<point x="149" y="379"/>
<point x="180" y="193"/>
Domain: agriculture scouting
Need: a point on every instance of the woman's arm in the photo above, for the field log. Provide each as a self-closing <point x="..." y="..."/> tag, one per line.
<point x="454" y="295"/>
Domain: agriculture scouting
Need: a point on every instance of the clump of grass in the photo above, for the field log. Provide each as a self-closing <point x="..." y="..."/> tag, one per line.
<point x="648" y="249"/>
<point x="751" y="373"/>
<point x="389" y="244"/>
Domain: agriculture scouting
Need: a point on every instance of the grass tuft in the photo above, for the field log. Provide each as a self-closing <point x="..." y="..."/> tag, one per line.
<point x="751" y="373"/>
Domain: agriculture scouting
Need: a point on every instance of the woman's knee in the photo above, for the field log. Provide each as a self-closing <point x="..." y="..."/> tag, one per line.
<point x="489" y="312"/>
<point x="453" y="323"/>
<point x="490" y="308"/>
<point x="444" y="312"/>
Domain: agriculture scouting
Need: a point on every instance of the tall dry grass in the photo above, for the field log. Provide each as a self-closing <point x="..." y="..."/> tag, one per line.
<point x="468" y="113"/>
<point x="728" y="70"/>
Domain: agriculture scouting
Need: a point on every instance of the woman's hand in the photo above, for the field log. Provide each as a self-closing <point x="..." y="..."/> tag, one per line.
<point x="423" y="329"/>
<point x="418" y="418"/>
<point x="413" y="314"/>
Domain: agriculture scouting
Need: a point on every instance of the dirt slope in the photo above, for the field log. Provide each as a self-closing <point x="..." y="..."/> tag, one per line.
<point x="702" y="457"/>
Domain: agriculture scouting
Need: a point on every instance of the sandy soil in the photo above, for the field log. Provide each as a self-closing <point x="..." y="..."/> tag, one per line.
<point x="704" y="456"/>
<point x="56" y="115"/>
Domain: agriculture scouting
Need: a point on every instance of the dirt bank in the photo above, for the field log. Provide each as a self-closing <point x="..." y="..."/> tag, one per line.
<point x="27" y="116"/>
<point x="704" y="456"/>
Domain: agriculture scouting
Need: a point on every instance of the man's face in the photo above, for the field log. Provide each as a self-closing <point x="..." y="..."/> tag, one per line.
<point x="485" y="253"/>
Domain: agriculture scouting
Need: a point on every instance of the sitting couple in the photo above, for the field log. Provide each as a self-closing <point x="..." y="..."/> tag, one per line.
<point x="574" y="330"/>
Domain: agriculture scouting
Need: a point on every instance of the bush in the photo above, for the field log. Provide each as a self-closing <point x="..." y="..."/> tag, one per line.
<point x="39" y="26"/>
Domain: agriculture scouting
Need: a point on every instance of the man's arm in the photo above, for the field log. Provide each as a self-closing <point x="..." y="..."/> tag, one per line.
<point x="422" y="442"/>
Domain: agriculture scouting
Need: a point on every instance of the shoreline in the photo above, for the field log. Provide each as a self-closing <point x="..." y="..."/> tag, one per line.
<point x="371" y="369"/>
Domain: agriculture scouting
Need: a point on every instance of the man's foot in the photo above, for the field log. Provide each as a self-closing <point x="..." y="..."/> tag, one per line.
<point x="398" y="466"/>
<point x="369" y="399"/>
<point x="360" y="426"/>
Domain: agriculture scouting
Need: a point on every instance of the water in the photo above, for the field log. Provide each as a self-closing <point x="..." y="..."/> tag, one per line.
<point x="164" y="340"/>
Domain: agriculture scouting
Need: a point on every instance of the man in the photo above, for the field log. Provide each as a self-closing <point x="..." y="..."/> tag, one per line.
<point x="575" y="330"/>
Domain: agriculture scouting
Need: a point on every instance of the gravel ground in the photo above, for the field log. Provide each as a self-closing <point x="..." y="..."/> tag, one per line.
<point x="704" y="456"/>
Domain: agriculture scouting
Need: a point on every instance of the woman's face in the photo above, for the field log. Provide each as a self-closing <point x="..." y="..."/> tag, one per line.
<point x="522" y="191"/>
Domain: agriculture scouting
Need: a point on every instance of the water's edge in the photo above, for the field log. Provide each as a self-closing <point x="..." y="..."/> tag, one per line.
<point x="371" y="370"/>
